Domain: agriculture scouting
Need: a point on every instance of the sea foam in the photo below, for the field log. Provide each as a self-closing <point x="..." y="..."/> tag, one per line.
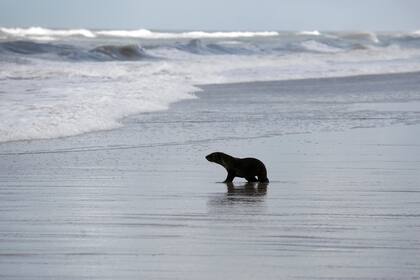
<point x="315" y="46"/>
<point x="62" y="98"/>
<point x="39" y="32"/>
<point x="45" y="32"/>
<point x="310" y="33"/>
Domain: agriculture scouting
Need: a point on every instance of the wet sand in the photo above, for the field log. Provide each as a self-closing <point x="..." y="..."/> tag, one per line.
<point x="141" y="202"/>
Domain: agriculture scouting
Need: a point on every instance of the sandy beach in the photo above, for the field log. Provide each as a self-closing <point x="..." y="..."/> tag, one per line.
<point x="141" y="201"/>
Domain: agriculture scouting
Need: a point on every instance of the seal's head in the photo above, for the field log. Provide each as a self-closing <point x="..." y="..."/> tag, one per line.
<point x="214" y="157"/>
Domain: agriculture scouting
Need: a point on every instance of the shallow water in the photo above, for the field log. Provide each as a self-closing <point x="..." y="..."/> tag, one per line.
<point x="142" y="202"/>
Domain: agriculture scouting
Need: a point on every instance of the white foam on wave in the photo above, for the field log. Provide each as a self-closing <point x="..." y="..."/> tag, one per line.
<point x="64" y="99"/>
<point x="45" y="32"/>
<point x="139" y="33"/>
<point x="373" y="37"/>
<point x="42" y="38"/>
<point x="126" y="33"/>
<point x="316" y="46"/>
<point x="309" y="33"/>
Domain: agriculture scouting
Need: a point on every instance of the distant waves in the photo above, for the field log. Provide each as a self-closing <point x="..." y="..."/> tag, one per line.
<point x="139" y="33"/>
<point x="105" y="45"/>
<point x="73" y="52"/>
<point x="57" y="83"/>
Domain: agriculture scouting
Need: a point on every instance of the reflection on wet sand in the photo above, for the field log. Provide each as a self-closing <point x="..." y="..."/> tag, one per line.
<point x="239" y="198"/>
<point x="247" y="189"/>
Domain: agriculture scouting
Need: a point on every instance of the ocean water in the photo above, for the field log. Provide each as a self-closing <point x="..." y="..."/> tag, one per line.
<point x="56" y="83"/>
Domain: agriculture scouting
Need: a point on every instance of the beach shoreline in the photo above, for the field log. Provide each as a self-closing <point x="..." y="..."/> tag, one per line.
<point x="141" y="201"/>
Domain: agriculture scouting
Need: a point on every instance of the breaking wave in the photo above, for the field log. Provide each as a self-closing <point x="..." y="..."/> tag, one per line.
<point x="310" y="33"/>
<point x="131" y="50"/>
<point x="72" y="52"/>
<point x="197" y="46"/>
<point x="361" y="36"/>
<point x="315" y="46"/>
<point x="45" y="32"/>
<point x="128" y="52"/>
<point x="69" y="51"/>
<point x="29" y="47"/>
<point x="40" y="32"/>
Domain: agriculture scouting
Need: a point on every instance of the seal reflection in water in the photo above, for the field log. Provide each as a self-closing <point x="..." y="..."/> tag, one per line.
<point x="252" y="169"/>
<point x="247" y="189"/>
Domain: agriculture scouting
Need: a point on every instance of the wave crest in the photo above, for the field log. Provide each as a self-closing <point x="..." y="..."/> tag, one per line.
<point x="315" y="46"/>
<point x="139" y="33"/>
<point x="41" y="32"/>
<point x="310" y="33"/>
<point x="70" y="52"/>
<point x="197" y="46"/>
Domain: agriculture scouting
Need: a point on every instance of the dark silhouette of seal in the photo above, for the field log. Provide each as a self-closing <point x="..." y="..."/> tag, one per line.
<point x="248" y="168"/>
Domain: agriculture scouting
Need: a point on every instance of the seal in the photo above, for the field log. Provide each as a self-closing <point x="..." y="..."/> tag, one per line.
<point x="248" y="168"/>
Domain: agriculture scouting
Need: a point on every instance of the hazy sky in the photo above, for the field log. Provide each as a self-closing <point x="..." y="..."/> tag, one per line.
<point x="214" y="14"/>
